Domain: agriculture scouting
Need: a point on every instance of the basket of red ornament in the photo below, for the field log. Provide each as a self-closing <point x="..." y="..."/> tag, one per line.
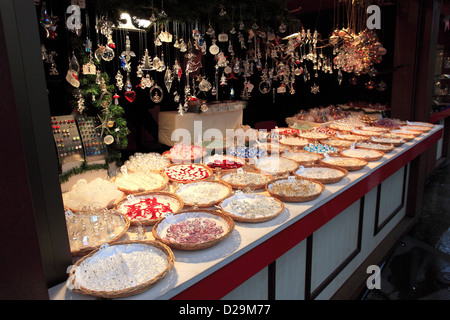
<point x="147" y="208"/>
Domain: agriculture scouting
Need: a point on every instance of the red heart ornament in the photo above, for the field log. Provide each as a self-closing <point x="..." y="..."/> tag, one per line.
<point x="130" y="95"/>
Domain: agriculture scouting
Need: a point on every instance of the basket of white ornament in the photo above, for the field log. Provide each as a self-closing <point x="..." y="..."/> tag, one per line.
<point x="251" y="207"/>
<point x="121" y="270"/>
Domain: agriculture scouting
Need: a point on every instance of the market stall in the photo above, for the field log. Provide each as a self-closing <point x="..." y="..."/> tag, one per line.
<point x="219" y="209"/>
<point x="322" y="240"/>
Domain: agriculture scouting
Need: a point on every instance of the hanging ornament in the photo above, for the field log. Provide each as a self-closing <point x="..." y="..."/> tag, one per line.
<point x="127" y="53"/>
<point x="210" y="32"/>
<point x="168" y="79"/>
<point x="340" y="77"/>
<point x="353" y="81"/>
<point x="119" y="80"/>
<point x="156" y="94"/>
<point x="282" y="28"/>
<point x="146" y="82"/>
<point x="183" y="45"/>
<point x="180" y="110"/>
<point x="222" y="37"/>
<point x="80" y="104"/>
<point x="241" y="25"/>
<point x="87" y="45"/>
<point x="214" y="49"/>
<point x="48" y="23"/>
<point x="222" y="12"/>
<point x="161" y="65"/>
<point x="370" y="85"/>
<point x="129" y="94"/>
<point x="108" y="139"/>
<point x="116" y="99"/>
<point x="204" y="85"/>
<point x="146" y="62"/>
<point x="265" y="86"/>
<point x="73" y="71"/>
<point x="103" y="123"/>
<point x="223" y="80"/>
<point x="73" y="22"/>
<point x="382" y="86"/>
<point x="315" y="89"/>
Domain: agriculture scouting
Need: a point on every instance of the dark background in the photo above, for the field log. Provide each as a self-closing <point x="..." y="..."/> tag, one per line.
<point x="141" y="115"/>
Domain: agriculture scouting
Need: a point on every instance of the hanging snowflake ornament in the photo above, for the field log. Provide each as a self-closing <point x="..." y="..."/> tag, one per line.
<point x="315" y="89"/>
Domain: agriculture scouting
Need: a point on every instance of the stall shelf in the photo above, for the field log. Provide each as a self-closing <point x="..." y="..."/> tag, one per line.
<point x="307" y="251"/>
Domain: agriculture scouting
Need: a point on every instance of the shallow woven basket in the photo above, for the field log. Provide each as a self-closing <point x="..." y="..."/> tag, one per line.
<point x="368" y="159"/>
<point x="210" y="172"/>
<point x="150" y="222"/>
<point x="292" y="145"/>
<point x="213" y="202"/>
<point x="129" y="191"/>
<point x="239" y="218"/>
<point x="358" y="138"/>
<point x="280" y="172"/>
<point x="395" y="144"/>
<point x="132" y="290"/>
<point x="348" y="167"/>
<point x="295" y="198"/>
<point x="185" y="160"/>
<point x="197" y="246"/>
<point x="225" y="157"/>
<point x="418" y="128"/>
<point x="87" y="249"/>
<point x="326" y="180"/>
<point x="110" y="205"/>
<point x="408" y="133"/>
<point x="306" y="162"/>
<point x="243" y="186"/>
<point x="388" y="150"/>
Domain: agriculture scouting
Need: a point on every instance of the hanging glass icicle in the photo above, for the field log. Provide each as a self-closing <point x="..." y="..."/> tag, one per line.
<point x="168" y="79"/>
<point x="340" y="77"/>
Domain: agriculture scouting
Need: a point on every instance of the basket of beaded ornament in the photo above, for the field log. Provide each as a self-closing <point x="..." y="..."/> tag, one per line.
<point x="121" y="269"/>
<point x="295" y="189"/>
<point x="241" y="179"/>
<point x="193" y="229"/>
<point x="323" y="173"/>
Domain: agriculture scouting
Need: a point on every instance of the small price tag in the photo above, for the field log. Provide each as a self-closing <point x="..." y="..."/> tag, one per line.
<point x="240" y="170"/>
<point x="352" y="146"/>
<point x="300" y="170"/>
<point x="291" y="178"/>
<point x="326" y="156"/>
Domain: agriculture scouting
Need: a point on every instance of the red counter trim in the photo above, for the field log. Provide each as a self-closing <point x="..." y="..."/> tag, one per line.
<point x="221" y="282"/>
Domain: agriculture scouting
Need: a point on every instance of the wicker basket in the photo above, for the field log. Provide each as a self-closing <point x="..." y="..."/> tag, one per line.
<point x="349" y="167"/>
<point x="210" y="172"/>
<point x="295" y="198"/>
<point x="325" y="180"/>
<point x="243" y="186"/>
<point x="368" y="159"/>
<point x="295" y="166"/>
<point x="407" y="133"/>
<point x="293" y="145"/>
<point x="192" y="159"/>
<point x="150" y="222"/>
<point x="416" y="128"/>
<point x="240" y="218"/>
<point x="131" y="191"/>
<point x="305" y="162"/>
<point x="352" y="137"/>
<point x="389" y="147"/>
<point x="132" y="290"/>
<point x="87" y="249"/>
<point x="396" y="143"/>
<point x="213" y="202"/>
<point x="234" y="159"/>
<point x="197" y="246"/>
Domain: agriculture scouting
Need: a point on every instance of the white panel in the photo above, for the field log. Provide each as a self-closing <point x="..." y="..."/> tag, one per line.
<point x="391" y="195"/>
<point x="290" y="274"/>
<point x="333" y="243"/>
<point x="255" y="288"/>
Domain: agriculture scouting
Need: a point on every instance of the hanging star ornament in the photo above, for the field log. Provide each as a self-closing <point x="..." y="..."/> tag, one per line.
<point x="103" y="124"/>
<point x="315" y="89"/>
